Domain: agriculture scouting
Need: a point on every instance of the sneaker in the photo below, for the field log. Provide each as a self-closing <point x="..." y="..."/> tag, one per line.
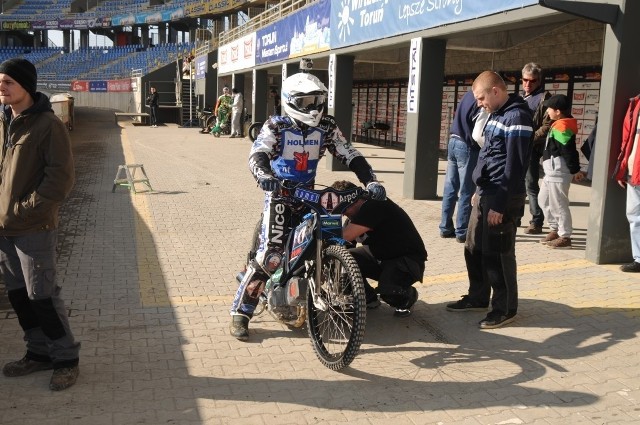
<point x="406" y="309"/>
<point x="461" y="239"/>
<point x="239" y="327"/>
<point x="560" y="243"/>
<point x="465" y="304"/>
<point x="447" y="235"/>
<point x="63" y="378"/>
<point x="633" y="267"/>
<point x="233" y="136"/>
<point x="373" y="303"/>
<point x="496" y="319"/>
<point x="533" y="229"/>
<point x="24" y="366"/>
<point x="552" y="236"/>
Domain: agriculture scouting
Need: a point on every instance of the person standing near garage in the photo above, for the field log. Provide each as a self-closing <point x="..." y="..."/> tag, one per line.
<point x="534" y="94"/>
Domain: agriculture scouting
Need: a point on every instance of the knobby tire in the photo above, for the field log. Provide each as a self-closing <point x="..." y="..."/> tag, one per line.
<point x="336" y="334"/>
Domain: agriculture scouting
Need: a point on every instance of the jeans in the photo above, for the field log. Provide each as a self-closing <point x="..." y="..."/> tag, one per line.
<point x="633" y="215"/>
<point x="490" y="255"/>
<point x="458" y="186"/>
<point x="533" y="189"/>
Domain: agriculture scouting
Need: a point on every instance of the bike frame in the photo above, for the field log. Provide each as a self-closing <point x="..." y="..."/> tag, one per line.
<point x="324" y="223"/>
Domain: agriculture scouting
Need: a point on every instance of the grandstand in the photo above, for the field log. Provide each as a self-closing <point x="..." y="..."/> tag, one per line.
<point x="126" y="23"/>
<point x="149" y="37"/>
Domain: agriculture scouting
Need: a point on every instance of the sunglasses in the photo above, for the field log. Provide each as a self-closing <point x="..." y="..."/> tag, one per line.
<point x="530" y="80"/>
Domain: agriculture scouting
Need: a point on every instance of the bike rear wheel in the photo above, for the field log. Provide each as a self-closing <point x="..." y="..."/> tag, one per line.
<point x="337" y="331"/>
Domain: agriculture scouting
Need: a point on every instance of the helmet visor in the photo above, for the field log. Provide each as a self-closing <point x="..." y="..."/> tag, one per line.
<point x="309" y="102"/>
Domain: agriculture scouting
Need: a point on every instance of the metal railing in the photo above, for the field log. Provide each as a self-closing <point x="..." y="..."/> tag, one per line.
<point x="263" y="19"/>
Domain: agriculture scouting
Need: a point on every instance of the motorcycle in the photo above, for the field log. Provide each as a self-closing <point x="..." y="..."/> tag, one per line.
<point x="206" y="118"/>
<point x="319" y="281"/>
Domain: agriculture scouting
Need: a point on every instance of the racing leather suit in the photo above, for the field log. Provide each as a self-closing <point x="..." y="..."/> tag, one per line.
<point x="287" y="150"/>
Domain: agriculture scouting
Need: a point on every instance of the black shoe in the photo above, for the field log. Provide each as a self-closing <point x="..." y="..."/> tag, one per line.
<point x="633" y="267"/>
<point x="373" y="302"/>
<point x="24" y="366"/>
<point x="465" y="304"/>
<point x="406" y="309"/>
<point x="63" y="378"/>
<point x="447" y="235"/>
<point x="461" y="239"/>
<point x="496" y="319"/>
<point x="239" y="327"/>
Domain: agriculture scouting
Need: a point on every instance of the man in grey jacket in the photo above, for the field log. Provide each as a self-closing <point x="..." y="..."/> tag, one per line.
<point x="36" y="176"/>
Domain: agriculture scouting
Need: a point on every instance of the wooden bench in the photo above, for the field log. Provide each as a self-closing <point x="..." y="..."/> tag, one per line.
<point x="144" y="117"/>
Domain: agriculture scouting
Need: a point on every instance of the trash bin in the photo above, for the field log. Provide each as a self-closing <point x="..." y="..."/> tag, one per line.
<point x="62" y="105"/>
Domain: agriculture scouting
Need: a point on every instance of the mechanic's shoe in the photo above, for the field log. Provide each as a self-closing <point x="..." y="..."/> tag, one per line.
<point x="465" y="304"/>
<point x="63" y="378"/>
<point x="406" y="309"/>
<point x="373" y="302"/>
<point x="24" y="366"/>
<point x="239" y="327"/>
<point x="533" y="229"/>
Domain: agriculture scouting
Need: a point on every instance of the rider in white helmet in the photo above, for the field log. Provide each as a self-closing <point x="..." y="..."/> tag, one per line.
<point x="289" y="148"/>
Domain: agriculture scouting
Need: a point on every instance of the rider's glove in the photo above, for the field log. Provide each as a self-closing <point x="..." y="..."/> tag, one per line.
<point x="268" y="183"/>
<point x="376" y="191"/>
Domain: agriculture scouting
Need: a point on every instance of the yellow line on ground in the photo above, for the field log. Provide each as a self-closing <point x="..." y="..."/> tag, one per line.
<point x="153" y="292"/>
<point x="522" y="269"/>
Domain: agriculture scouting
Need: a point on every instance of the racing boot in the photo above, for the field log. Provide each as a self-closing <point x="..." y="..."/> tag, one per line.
<point x="239" y="327"/>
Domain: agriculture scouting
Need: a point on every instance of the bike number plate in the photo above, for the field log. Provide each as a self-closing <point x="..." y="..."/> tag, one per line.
<point x="331" y="226"/>
<point x="302" y="235"/>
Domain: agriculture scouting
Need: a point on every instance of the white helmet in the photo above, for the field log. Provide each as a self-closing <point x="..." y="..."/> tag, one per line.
<point x="303" y="97"/>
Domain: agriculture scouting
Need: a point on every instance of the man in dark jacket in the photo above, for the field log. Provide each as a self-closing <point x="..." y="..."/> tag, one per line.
<point x="37" y="174"/>
<point x="152" y="101"/>
<point x="498" y="204"/>
<point x="534" y="94"/>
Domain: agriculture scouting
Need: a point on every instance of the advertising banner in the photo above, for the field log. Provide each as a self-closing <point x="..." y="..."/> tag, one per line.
<point x="51" y="24"/>
<point x="207" y="7"/>
<point x="16" y="26"/>
<point x="148" y="17"/>
<point x="413" y="90"/>
<point x="201" y="67"/>
<point x="98" y="86"/>
<point x="54" y="85"/>
<point x="123" y="85"/>
<point x="357" y="21"/>
<point x="79" y="85"/>
<point x="239" y="54"/>
<point x="302" y="33"/>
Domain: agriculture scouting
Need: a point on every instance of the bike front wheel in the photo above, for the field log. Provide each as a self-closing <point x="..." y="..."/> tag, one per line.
<point x="337" y="328"/>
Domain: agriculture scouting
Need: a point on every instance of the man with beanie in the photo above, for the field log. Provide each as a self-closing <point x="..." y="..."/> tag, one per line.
<point x="36" y="175"/>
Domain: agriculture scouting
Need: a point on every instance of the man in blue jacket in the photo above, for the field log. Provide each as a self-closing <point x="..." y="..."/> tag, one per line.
<point x="498" y="204"/>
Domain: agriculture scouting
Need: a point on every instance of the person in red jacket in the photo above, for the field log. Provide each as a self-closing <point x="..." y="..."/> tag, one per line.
<point x="627" y="175"/>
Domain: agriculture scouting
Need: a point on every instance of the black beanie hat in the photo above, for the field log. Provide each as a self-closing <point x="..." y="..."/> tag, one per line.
<point x="23" y="72"/>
